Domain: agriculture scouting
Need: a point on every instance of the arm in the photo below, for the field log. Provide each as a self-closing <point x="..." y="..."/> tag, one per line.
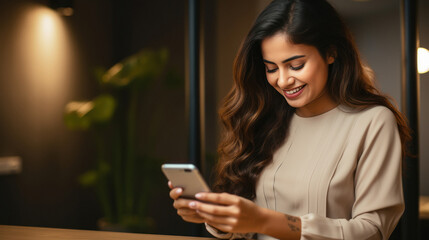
<point x="233" y="214"/>
<point x="275" y="225"/>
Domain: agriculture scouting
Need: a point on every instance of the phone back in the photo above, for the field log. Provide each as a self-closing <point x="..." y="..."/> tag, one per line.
<point x="187" y="177"/>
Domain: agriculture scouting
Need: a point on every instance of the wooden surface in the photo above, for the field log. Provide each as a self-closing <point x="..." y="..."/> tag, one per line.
<point x="38" y="233"/>
<point x="424" y="207"/>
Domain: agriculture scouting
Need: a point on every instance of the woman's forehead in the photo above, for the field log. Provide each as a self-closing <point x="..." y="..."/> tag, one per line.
<point x="279" y="44"/>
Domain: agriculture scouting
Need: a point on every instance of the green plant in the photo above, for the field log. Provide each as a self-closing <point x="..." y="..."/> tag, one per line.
<point x="120" y="176"/>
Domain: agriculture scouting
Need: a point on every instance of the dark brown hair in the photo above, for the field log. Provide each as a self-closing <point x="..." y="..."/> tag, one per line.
<point x="256" y="118"/>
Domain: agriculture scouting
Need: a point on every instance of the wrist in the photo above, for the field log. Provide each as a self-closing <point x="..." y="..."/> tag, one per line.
<point x="263" y="221"/>
<point x="279" y="225"/>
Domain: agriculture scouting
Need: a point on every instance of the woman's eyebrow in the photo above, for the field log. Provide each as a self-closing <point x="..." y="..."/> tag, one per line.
<point x="286" y="60"/>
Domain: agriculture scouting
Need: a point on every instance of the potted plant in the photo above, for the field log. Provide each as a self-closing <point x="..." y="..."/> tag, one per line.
<point x="120" y="176"/>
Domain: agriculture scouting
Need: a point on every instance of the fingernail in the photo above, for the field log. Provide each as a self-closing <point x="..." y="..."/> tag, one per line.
<point x="192" y="204"/>
<point x="179" y="190"/>
<point x="198" y="195"/>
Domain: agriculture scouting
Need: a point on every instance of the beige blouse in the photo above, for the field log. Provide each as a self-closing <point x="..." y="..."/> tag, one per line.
<point x="340" y="172"/>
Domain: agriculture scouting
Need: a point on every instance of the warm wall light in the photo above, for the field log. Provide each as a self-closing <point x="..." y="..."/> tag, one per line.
<point x="64" y="7"/>
<point x="423" y="60"/>
<point x="45" y="56"/>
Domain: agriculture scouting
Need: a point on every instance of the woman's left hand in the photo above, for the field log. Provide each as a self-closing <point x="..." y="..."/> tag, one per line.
<point x="228" y="213"/>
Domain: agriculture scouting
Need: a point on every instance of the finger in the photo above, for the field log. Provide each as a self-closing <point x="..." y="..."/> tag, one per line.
<point x="221" y="227"/>
<point x="170" y="185"/>
<point x="218" y="198"/>
<point x="187" y="212"/>
<point x="175" y="193"/>
<point x="181" y="203"/>
<point x="225" y="220"/>
<point x="213" y="209"/>
<point x="194" y="219"/>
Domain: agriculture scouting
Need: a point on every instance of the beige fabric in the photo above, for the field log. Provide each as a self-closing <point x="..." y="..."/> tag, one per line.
<point x="340" y="172"/>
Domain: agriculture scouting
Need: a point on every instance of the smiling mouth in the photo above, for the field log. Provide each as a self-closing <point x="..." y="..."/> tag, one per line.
<point x="295" y="90"/>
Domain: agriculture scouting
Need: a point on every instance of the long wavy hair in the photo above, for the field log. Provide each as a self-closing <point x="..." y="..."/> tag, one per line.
<point x="256" y="117"/>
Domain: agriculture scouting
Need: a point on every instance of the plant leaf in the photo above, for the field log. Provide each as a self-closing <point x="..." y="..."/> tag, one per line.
<point x="103" y="108"/>
<point x="76" y="115"/>
<point x="140" y="69"/>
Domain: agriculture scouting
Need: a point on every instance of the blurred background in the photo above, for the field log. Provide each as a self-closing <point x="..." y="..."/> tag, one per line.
<point x="94" y="100"/>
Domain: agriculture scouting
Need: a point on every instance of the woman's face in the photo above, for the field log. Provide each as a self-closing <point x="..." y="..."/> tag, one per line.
<point x="299" y="73"/>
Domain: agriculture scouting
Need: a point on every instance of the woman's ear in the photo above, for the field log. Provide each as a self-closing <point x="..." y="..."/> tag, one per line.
<point x="332" y="54"/>
<point x="331" y="59"/>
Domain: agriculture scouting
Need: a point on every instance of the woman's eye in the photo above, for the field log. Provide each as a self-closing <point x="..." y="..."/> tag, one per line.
<point x="297" y="67"/>
<point x="271" y="70"/>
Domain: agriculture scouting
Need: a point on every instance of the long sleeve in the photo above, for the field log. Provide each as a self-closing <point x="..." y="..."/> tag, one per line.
<point x="378" y="201"/>
<point x="223" y="235"/>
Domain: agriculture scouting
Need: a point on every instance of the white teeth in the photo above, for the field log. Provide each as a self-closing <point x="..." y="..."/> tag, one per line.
<point x="294" y="90"/>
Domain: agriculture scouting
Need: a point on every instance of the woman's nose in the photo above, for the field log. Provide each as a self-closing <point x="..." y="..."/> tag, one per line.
<point x="285" y="80"/>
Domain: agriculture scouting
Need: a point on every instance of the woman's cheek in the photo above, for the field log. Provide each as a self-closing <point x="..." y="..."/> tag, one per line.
<point x="271" y="80"/>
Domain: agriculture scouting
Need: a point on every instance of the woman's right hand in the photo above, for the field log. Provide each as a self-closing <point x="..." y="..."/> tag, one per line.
<point x="182" y="206"/>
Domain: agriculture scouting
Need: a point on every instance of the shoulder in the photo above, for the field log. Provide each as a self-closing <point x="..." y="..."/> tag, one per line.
<point x="370" y="115"/>
<point x="375" y="122"/>
<point x="374" y="129"/>
<point x="370" y="121"/>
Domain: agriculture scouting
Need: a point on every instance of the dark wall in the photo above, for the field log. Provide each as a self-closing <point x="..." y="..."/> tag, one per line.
<point x="100" y="33"/>
<point x="46" y="192"/>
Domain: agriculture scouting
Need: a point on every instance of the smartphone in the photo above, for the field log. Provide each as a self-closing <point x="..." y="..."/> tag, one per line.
<point x="187" y="177"/>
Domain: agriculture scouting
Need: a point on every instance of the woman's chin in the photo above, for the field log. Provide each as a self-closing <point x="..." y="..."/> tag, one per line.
<point x="294" y="103"/>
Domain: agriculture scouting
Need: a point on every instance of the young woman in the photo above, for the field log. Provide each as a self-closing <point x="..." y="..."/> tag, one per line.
<point x="311" y="149"/>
